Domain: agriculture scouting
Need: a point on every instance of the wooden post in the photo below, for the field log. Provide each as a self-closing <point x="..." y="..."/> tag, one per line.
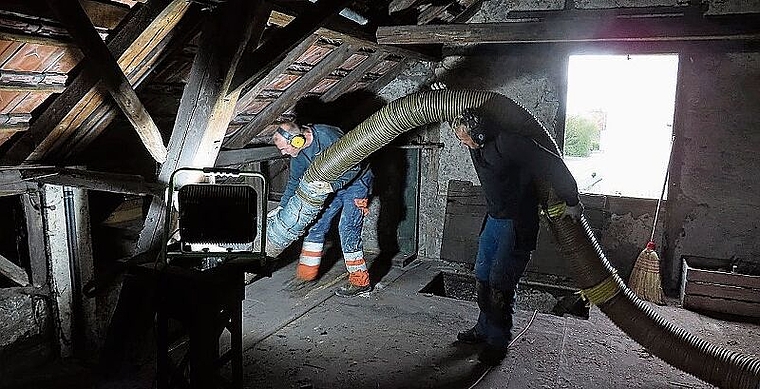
<point x="60" y="269"/>
<point x="35" y="231"/>
<point x="87" y="324"/>
<point x="206" y="107"/>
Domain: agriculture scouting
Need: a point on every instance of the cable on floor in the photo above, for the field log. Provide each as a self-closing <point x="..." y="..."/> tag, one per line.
<point x="524" y="330"/>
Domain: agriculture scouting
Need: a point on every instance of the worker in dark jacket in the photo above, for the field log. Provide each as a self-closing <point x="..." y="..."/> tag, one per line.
<point x="507" y="165"/>
<point x="303" y="143"/>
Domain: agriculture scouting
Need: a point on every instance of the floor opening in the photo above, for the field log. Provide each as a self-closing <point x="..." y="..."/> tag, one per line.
<point x="555" y="300"/>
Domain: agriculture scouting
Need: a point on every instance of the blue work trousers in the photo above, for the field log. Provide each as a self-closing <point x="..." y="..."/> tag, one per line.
<point x="498" y="268"/>
<point x="348" y="202"/>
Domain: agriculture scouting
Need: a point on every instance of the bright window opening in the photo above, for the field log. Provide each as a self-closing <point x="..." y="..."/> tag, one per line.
<point x="619" y="124"/>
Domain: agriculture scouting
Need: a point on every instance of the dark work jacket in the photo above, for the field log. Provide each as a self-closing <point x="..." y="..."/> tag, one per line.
<point x="507" y="165"/>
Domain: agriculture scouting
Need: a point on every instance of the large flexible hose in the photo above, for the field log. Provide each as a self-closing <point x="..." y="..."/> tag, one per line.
<point x="595" y="275"/>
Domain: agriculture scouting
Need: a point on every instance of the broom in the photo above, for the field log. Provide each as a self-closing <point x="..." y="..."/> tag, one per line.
<point x="645" y="277"/>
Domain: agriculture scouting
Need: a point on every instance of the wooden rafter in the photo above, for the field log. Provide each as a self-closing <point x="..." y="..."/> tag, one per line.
<point x="102" y="14"/>
<point x="276" y="48"/>
<point x="13" y="272"/>
<point x="386" y="78"/>
<point x="106" y="182"/>
<point x="341" y="30"/>
<point x="744" y="27"/>
<point x="142" y="66"/>
<point x="354" y="76"/>
<point x="266" y="79"/>
<point x="206" y="106"/>
<point x="295" y="91"/>
<point x="101" y="62"/>
<point x="147" y="26"/>
<point x="241" y="156"/>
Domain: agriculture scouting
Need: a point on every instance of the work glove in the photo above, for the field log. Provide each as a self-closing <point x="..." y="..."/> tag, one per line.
<point x="561" y="210"/>
<point x="273" y="212"/>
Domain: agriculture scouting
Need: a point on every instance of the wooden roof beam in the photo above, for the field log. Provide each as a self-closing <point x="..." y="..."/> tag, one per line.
<point x="103" y="15"/>
<point x="241" y="156"/>
<point x="147" y="26"/>
<point x="142" y="66"/>
<point x="349" y="32"/>
<point x="354" y="76"/>
<point x="295" y="91"/>
<point x="642" y="29"/>
<point x="206" y="106"/>
<point x="274" y="50"/>
<point x="72" y="15"/>
<point x="100" y="181"/>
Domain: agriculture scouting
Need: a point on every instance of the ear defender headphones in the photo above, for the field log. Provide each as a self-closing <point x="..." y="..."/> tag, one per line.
<point x="472" y="121"/>
<point x="295" y="140"/>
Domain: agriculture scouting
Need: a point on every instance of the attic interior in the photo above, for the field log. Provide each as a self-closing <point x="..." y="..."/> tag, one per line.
<point x="102" y="100"/>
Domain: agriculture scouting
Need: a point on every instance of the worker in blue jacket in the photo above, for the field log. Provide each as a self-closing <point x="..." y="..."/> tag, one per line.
<point x="507" y="165"/>
<point x="350" y="198"/>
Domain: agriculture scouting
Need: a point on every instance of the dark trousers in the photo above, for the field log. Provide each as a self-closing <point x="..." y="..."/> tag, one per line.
<point x="498" y="268"/>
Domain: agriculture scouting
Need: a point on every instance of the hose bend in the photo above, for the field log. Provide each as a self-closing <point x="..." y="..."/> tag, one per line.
<point x="595" y="275"/>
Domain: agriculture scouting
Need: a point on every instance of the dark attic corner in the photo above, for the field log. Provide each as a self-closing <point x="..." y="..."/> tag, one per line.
<point x="379" y="194"/>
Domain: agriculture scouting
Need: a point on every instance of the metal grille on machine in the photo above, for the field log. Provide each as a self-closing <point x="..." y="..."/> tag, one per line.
<point x="217" y="214"/>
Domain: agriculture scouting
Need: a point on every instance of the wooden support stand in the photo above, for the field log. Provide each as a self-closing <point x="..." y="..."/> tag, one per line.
<point x="205" y="303"/>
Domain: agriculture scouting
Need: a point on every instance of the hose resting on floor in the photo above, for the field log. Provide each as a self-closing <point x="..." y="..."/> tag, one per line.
<point x="593" y="272"/>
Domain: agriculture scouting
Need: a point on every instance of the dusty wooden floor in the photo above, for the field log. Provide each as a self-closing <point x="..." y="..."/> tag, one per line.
<point x="397" y="337"/>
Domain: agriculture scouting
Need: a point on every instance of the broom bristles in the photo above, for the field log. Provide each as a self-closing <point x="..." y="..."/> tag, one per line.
<point x="645" y="277"/>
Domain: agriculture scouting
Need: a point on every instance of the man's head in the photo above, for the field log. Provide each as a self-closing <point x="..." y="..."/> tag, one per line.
<point x="468" y="129"/>
<point x="289" y="139"/>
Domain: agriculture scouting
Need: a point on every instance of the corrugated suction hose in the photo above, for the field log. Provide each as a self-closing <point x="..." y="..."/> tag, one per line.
<point x="593" y="272"/>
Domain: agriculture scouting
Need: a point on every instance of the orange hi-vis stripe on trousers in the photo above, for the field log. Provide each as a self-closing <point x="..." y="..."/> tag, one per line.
<point x="308" y="262"/>
<point x="357" y="268"/>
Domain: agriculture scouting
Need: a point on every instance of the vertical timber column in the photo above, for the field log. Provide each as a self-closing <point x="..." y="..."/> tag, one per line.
<point x="87" y="323"/>
<point x="35" y="231"/>
<point x="60" y="270"/>
<point x="206" y="108"/>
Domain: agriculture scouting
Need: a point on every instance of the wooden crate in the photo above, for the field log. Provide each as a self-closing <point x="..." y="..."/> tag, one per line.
<point x="708" y="285"/>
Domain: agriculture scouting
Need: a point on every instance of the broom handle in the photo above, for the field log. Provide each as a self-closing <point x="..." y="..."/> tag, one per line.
<point x="662" y="194"/>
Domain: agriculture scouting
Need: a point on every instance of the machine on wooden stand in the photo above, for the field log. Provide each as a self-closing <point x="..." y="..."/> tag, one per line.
<point x="218" y="235"/>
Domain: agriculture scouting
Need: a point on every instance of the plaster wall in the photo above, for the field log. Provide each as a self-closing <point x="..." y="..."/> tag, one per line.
<point x="537" y="81"/>
<point x="715" y="185"/>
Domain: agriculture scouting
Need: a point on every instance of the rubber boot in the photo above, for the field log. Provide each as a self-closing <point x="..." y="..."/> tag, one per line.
<point x="500" y="334"/>
<point x="477" y="334"/>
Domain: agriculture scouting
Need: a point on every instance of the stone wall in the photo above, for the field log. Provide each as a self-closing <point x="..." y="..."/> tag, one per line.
<point x="713" y="184"/>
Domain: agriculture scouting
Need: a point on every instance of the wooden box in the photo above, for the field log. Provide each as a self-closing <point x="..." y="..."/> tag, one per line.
<point x="708" y="284"/>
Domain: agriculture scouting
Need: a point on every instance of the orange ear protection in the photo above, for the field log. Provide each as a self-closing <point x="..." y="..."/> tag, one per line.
<point x="295" y="140"/>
